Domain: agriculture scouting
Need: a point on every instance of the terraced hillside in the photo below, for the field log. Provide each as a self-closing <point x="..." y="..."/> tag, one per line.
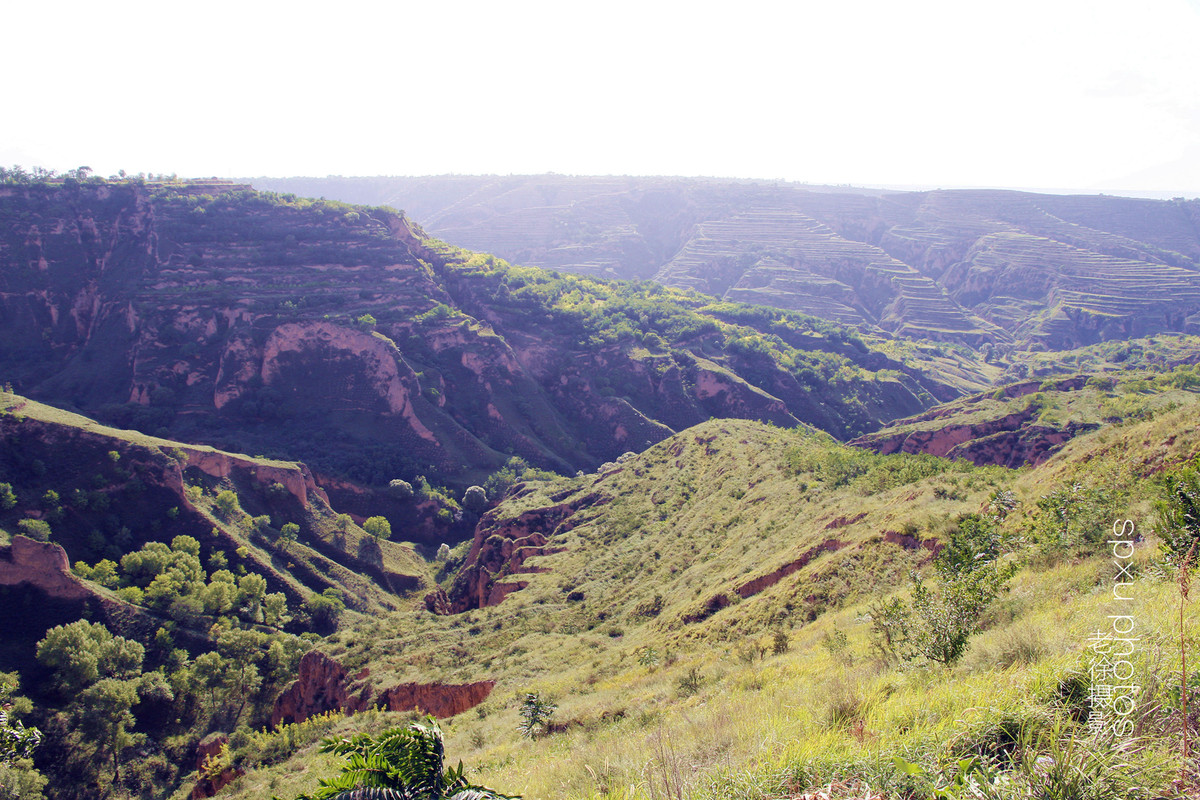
<point x="786" y="260"/>
<point x="971" y="266"/>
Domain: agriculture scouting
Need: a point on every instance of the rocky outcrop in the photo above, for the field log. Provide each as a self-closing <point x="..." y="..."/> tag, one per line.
<point x="753" y="587"/>
<point x="940" y="441"/>
<point x="499" y="551"/>
<point x="909" y="541"/>
<point x="296" y="478"/>
<point x="440" y="700"/>
<point x="209" y="784"/>
<point x="324" y="685"/>
<point x="1008" y="441"/>
<point x="1011" y="440"/>
<point x="42" y="565"/>
<point x="321" y="686"/>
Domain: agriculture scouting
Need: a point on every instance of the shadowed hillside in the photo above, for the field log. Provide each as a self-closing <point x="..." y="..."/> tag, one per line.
<point x="343" y="336"/>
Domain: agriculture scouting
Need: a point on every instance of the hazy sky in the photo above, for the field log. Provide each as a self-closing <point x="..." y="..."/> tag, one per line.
<point x="1092" y="95"/>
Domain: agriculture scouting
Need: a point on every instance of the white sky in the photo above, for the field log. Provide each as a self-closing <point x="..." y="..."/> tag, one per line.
<point x="1097" y="95"/>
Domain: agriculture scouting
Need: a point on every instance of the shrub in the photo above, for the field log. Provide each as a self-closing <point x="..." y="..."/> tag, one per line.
<point x="889" y="628"/>
<point x="475" y="499"/>
<point x="690" y="682"/>
<point x="325" y="609"/>
<point x="36" y="529"/>
<point x="227" y="503"/>
<point x="400" y="489"/>
<point x="835" y="642"/>
<point x="535" y="715"/>
<point x="973" y="543"/>
<point x="1178" y="510"/>
<point x="943" y="621"/>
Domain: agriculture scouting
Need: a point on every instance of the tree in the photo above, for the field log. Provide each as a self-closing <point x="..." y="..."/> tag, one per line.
<point x="83" y="652"/>
<point x="400" y="489"/>
<point x="402" y="764"/>
<point x="252" y="588"/>
<point x="20" y="781"/>
<point x="102" y="674"/>
<point x="16" y="741"/>
<point x="186" y="544"/>
<point x="288" y="534"/>
<point x="475" y="499"/>
<point x="274" y="607"/>
<point x="18" y="778"/>
<point x="144" y="565"/>
<point x="379" y="528"/>
<point x="227" y="503"/>
<point x="243" y="649"/>
<point x="7" y="498"/>
<point x="106" y="716"/>
<point x="218" y="597"/>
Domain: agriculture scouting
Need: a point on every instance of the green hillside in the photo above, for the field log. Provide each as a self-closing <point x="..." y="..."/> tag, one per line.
<point x="709" y="617"/>
<point x="212" y="572"/>
<point x="622" y="540"/>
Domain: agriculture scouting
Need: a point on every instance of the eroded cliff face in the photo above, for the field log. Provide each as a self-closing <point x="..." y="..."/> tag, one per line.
<point x="1012" y="439"/>
<point x="210" y="748"/>
<point x="324" y="685"/>
<point x="347" y="340"/>
<point x="41" y="565"/>
<point x="501" y="547"/>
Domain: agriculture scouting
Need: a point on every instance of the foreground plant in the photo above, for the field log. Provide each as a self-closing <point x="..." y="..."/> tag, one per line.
<point x="1185" y="585"/>
<point x="402" y="764"/>
<point x="535" y="715"/>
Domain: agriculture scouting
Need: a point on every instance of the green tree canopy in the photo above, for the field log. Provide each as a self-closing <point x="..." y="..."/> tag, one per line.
<point x="83" y="652"/>
<point x="378" y="527"/>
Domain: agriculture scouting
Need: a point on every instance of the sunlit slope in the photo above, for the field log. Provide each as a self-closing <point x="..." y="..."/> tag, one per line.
<point x="650" y="611"/>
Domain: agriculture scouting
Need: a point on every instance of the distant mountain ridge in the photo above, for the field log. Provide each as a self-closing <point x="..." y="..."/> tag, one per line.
<point x="972" y="266"/>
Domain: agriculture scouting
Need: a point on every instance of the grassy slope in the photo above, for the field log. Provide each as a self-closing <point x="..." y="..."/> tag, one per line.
<point x="689" y="524"/>
<point x="1123" y="395"/>
<point x="313" y="561"/>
